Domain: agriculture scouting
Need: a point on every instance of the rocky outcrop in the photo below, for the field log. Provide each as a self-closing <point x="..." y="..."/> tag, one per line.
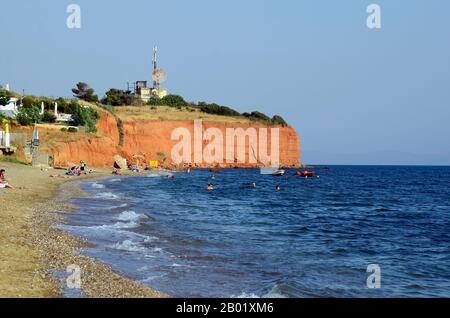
<point x="147" y="139"/>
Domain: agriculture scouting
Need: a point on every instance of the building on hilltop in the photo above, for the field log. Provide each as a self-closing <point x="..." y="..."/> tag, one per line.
<point x="140" y="88"/>
<point x="11" y="109"/>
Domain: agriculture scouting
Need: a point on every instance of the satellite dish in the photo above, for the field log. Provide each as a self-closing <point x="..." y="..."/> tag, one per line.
<point x="159" y="75"/>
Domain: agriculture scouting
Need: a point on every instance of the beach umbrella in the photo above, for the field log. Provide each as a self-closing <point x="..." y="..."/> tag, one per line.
<point x="120" y="162"/>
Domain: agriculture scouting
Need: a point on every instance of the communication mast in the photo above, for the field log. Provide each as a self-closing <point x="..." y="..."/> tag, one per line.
<point x="155" y="66"/>
<point x="158" y="75"/>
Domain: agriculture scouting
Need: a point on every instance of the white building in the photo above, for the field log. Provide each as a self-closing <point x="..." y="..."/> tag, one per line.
<point x="10" y="109"/>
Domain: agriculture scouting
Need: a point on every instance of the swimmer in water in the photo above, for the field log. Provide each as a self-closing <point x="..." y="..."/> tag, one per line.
<point x="278" y="188"/>
<point x="254" y="185"/>
<point x="210" y="187"/>
<point x="213" y="177"/>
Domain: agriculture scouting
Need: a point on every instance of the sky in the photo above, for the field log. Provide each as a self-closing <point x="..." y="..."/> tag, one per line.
<point x="354" y="95"/>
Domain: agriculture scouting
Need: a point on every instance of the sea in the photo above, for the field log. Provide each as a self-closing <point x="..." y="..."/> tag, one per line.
<point x="349" y="231"/>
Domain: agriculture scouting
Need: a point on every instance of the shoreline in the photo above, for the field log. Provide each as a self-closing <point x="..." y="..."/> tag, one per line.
<point x="34" y="250"/>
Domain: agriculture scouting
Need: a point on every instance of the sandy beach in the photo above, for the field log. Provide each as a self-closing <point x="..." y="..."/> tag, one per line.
<point x="31" y="250"/>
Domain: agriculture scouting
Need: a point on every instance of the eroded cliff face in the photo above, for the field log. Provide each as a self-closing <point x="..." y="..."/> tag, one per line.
<point x="147" y="138"/>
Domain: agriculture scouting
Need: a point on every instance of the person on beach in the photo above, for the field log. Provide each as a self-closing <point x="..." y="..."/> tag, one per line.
<point x="74" y="171"/>
<point x="3" y="182"/>
<point x="82" y="167"/>
<point x="134" y="168"/>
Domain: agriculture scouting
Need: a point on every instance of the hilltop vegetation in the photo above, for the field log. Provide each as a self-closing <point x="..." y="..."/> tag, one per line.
<point x="126" y="106"/>
<point x="119" y="98"/>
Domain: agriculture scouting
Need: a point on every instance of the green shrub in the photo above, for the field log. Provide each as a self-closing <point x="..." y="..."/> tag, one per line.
<point x="72" y="129"/>
<point x="217" y="109"/>
<point x="169" y="100"/>
<point x="85" y="116"/>
<point x="257" y="116"/>
<point x="3" y="118"/>
<point x="117" y="97"/>
<point x="64" y="129"/>
<point x="155" y="101"/>
<point x="174" y="101"/>
<point x="29" y="116"/>
<point x="278" y="120"/>
<point x="48" y="117"/>
<point x="121" y="130"/>
<point x="3" y="98"/>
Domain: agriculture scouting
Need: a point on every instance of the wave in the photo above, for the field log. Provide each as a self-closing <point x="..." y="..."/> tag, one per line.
<point x="275" y="292"/>
<point x="113" y="207"/>
<point x="97" y="186"/>
<point x="106" y="196"/>
<point x="129" y="246"/>
<point x="160" y="174"/>
<point x="150" y="239"/>
<point x="117" y="225"/>
<point x="131" y="216"/>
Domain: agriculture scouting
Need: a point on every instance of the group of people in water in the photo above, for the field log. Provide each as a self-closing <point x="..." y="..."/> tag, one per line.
<point x="210" y="186"/>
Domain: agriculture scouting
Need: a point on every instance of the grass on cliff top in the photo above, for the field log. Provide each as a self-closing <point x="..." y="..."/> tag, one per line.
<point x="52" y="137"/>
<point x="159" y="113"/>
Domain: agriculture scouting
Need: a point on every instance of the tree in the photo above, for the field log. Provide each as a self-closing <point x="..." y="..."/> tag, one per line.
<point x="29" y="116"/>
<point x="84" y="92"/>
<point x="118" y="97"/>
<point x="85" y="116"/>
<point x="4" y="100"/>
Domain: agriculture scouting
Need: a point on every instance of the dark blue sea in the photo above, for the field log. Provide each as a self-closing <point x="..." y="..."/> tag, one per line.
<point x="314" y="238"/>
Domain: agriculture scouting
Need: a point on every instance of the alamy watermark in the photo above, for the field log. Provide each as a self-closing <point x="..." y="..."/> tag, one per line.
<point x="73" y="281"/>
<point x="74" y="19"/>
<point x="374" y="19"/>
<point x="211" y="146"/>
<point x="374" y="279"/>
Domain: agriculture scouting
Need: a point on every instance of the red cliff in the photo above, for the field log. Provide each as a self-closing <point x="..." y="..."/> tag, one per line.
<point x="147" y="138"/>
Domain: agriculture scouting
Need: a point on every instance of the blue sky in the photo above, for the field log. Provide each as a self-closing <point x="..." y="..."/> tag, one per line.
<point x="354" y="95"/>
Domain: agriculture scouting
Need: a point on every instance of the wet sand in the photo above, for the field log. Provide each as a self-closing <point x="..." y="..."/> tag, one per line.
<point x="31" y="250"/>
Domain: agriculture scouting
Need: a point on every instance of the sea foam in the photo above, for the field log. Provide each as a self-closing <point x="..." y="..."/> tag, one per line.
<point x="131" y="216"/>
<point x="106" y="196"/>
<point x="128" y="245"/>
